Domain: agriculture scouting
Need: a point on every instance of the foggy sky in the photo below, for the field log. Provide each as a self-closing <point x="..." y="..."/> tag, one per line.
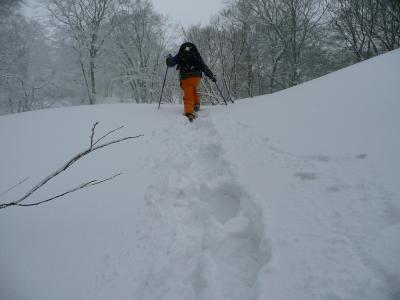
<point x="182" y="12"/>
<point x="188" y="12"/>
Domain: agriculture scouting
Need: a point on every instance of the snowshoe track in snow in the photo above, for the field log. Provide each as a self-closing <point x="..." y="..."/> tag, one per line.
<point x="216" y="241"/>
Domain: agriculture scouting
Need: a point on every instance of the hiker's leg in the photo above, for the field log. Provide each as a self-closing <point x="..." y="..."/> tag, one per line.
<point x="196" y="96"/>
<point x="188" y="100"/>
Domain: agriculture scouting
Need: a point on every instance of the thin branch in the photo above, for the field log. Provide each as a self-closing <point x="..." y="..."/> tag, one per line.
<point x="92" y="136"/>
<point x="68" y="164"/>
<point x="82" y="186"/>
<point x="14" y="186"/>
<point x="107" y="134"/>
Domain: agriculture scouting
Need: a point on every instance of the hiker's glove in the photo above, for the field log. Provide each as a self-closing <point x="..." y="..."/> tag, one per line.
<point x="210" y="75"/>
<point x="169" y="61"/>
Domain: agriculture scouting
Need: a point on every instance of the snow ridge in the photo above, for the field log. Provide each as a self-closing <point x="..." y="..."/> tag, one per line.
<point x="216" y="243"/>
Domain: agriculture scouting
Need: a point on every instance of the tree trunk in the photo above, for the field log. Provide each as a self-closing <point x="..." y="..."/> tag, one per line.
<point x="273" y="72"/>
<point x="93" y="83"/>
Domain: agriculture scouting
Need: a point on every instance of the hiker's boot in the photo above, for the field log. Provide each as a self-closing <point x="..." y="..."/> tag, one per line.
<point x="190" y="117"/>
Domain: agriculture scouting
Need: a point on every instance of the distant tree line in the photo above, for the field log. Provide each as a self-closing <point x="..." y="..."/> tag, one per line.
<point x="96" y="51"/>
<point x="262" y="46"/>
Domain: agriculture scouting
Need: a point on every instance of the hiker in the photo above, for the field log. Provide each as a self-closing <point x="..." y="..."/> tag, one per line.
<point x="191" y="67"/>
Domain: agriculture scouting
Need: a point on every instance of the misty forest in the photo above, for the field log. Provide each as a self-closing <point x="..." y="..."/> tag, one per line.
<point x="107" y="51"/>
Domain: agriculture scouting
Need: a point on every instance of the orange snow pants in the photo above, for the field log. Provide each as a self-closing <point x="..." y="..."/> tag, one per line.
<point x="190" y="93"/>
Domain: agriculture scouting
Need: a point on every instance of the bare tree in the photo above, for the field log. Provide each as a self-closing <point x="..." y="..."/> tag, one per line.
<point x="25" y="75"/>
<point x="354" y="21"/>
<point x="90" y="23"/>
<point x="139" y="44"/>
<point x="367" y="27"/>
<point x="289" y="24"/>
<point x="94" y="145"/>
<point x="388" y="29"/>
<point x="7" y="5"/>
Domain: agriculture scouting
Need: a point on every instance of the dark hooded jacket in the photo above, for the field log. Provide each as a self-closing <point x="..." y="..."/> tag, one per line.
<point x="196" y="72"/>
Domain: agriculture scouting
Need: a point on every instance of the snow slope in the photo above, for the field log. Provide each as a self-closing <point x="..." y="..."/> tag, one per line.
<point x="294" y="195"/>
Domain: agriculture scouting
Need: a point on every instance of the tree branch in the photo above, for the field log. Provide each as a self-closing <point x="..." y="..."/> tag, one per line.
<point x="82" y="186"/>
<point x="67" y="165"/>
<point x="92" y="136"/>
<point x="14" y="186"/>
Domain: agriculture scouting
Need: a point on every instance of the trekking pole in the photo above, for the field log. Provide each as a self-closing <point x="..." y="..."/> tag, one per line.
<point x="230" y="98"/>
<point x="219" y="90"/>
<point x="162" y="90"/>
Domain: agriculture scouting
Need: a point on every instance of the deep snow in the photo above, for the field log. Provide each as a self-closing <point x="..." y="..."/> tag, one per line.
<point x="294" y="195"/>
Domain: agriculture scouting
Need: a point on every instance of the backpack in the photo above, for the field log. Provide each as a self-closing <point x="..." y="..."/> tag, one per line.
<point x="189" y="59"/>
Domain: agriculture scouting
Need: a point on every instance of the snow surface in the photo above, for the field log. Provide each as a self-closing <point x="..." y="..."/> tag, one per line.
<point x="294" y="195"/>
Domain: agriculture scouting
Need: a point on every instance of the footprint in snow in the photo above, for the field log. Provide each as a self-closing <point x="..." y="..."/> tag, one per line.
<point x="306" y="176"/>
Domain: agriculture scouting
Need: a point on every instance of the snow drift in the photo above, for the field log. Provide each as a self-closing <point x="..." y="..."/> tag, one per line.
<point x="293" y="195"/>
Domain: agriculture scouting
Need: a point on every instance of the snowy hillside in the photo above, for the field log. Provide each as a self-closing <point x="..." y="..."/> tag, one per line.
<point x="294" y="195"/>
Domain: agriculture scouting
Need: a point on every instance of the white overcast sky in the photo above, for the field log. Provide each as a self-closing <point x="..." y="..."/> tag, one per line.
<point x="188" y="12"/>
<point x="182" y="12"/>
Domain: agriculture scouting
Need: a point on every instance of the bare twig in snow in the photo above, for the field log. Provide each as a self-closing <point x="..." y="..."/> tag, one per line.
<point x="82" y="186"/>
<point x="92" y="136"/>
<point x="68" y="164"/>
<point x="13" y="187"/>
